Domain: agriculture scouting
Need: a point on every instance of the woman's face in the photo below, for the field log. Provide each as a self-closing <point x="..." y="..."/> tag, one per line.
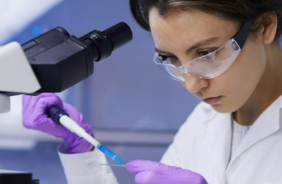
<point x="179" y="31"/>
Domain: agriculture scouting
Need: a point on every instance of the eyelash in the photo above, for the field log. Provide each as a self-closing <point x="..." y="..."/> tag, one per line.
<point x="165" y="57"/>
<point x="207" y="52"/>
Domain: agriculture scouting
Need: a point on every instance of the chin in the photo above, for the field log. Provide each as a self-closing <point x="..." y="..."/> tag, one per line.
<point x="221" y="108"/>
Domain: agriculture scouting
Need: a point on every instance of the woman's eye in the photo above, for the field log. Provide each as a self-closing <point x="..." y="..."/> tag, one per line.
<point x="163" y="57"/>
<point x="174" y="61"/>
<point x="203" y="53"/>
<point x="170" y="59"/>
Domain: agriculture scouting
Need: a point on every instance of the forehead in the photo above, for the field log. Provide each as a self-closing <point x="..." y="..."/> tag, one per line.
<point x="188" y="27"/>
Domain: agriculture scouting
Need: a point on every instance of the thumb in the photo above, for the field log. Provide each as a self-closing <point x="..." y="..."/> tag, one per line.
<point x="137" y="166"/>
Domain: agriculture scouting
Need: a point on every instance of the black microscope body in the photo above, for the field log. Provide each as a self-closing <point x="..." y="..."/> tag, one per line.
<point x="59" y="60"/>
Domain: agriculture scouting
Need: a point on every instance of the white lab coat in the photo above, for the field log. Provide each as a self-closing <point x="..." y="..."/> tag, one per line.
<point x="84" y="168"/>
<point x="203" y="144"/>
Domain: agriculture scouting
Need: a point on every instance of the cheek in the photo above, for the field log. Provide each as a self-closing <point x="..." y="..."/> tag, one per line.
<point x="239" y="82"/>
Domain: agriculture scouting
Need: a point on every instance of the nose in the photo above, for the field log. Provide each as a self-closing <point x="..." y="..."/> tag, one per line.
<point x="194" y="84"/>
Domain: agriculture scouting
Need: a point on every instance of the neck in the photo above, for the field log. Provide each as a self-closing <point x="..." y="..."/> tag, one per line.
<point x="268" y="89"/>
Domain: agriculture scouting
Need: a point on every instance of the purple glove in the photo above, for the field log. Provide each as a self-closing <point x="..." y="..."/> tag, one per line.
<point x="35" y="117"/>
<point x="149" y="172"/>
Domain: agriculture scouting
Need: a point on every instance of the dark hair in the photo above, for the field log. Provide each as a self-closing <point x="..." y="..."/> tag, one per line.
<point x="239" y="11"/>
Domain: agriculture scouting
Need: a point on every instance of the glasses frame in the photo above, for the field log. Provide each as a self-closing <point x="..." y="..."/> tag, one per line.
<point x="240" y="37"/>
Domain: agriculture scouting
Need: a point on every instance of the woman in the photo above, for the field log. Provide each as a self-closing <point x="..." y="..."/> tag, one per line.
<point x="227" y="53"/>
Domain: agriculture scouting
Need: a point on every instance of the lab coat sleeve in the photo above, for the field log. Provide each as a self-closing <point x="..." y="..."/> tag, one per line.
<point x="84" y="168"/>
<point x="176" y="151"/>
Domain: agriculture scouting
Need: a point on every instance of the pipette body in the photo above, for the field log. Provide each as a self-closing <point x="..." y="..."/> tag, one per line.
<point x="62" y="118"/>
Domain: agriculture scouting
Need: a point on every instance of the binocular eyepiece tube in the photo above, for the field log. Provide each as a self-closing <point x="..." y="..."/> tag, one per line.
<point x="109" y="40"/>
<point x="59" y="60"/>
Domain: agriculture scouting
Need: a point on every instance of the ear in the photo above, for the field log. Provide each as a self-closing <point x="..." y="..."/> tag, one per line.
<point x="269" y="24"/>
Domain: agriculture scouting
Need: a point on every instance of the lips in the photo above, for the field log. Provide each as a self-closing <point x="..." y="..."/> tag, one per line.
<point x="213" y="100"/>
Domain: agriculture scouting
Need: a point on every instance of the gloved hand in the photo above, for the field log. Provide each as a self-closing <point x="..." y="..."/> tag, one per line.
<point x="35" y="117"/>
<point x="149" y="172"/>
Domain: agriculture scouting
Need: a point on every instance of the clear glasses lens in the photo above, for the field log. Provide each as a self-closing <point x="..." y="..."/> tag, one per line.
<point x="207" y="67"/>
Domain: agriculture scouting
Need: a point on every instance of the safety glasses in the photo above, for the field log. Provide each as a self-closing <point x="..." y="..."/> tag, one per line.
<point x="208" y="66"/>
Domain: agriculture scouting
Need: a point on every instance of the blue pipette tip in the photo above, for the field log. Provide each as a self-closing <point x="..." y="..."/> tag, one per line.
<point x="116" y="158"/>
<point x="109" y="153"/>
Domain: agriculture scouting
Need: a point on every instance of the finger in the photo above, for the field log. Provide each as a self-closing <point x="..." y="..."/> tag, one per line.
<point x="46" y="125"/>
<point x="46" y="96"/>
<point x="71" y="111"/>
<point x="137" y="166"/>
<point x="144" y="177"/>
<point x="151" y="177"/>
<point x="43" y="103"/>
<point x="31" y="101"/>
<point x="78" y="117"/>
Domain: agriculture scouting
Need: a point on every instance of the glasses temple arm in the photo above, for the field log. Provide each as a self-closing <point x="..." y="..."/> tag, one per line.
<point x="241" y="36"/>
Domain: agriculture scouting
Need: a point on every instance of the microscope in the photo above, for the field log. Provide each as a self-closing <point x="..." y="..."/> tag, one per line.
<point x="55" y="61"/>
<point x="52" y="62"/>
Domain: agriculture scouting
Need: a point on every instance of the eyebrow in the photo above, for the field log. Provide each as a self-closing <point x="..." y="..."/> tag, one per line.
<point x="195" y="46"/>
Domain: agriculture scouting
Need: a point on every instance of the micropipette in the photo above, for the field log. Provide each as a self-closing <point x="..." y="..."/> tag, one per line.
<point x="62" y="118"/>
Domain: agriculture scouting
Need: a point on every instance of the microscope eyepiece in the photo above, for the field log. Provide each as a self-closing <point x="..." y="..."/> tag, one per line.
<point x="119" y="34"/>
<point x="108" y="40"/>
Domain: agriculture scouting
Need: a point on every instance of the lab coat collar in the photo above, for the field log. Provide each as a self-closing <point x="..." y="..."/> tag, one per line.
<point x="218" y="126"/>
<point x="266" y="124"/>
